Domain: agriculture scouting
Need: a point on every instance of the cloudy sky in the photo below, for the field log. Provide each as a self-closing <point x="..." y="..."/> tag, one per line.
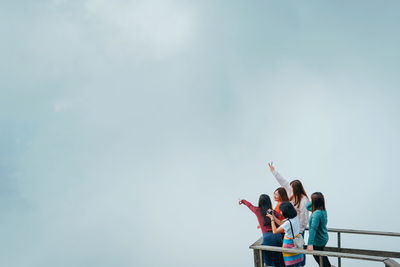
<point x="129" y="129"/>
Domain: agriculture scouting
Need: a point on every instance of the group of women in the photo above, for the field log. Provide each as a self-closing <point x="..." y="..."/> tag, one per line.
<point x="284" y="224"/>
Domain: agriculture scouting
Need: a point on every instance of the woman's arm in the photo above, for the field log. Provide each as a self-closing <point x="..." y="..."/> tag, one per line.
<point x="248" y="204"/>
<point x="314" y="224"/>
<point x="275" y="229"/>
<point x="277" y="221"/>
<point x="308" y="206"/>
<point x="282" y="181"/>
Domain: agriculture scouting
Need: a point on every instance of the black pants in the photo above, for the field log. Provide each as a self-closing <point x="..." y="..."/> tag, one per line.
<point x="325" y="260"/>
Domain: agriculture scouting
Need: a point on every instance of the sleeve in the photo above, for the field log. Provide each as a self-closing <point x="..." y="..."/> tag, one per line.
<point x="284" y="183"/>
<point x="285" y="226"/>
<point x="316" y="220"/>
<point x="249" y="205"/>
<point x="308" y="206"/>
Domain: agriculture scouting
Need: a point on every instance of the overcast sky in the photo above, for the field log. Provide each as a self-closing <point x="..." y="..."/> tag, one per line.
<point x="129" y="129"/>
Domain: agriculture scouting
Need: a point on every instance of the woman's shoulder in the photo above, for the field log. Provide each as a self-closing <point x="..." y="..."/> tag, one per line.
<point x="256" y="208"/>
<point x="304" y="200"/>
<point x="294" y="220"/>
<point x="285" y="222"/>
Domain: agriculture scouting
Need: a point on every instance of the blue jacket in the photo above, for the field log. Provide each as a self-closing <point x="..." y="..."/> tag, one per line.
<point x="318" y="233"/>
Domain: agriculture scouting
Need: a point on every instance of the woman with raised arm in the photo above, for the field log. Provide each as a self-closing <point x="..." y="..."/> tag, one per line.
<point x="291" y="228"/>
<point x="318" y="233"/>
<point x="264" y="204"/>
<point x="297" y="196"/>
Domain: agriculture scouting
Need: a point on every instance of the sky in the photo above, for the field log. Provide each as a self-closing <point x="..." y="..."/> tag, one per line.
<point x="129" y="129"/>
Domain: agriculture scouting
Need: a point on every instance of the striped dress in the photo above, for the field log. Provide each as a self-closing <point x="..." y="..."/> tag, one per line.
<point x="291" y="259"/>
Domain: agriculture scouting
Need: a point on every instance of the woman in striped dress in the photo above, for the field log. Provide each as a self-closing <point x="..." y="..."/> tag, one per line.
<point x="291" y="228"/>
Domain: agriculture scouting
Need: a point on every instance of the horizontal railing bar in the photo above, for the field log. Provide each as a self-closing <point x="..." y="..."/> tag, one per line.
<point x="361" y="232"/>
<point x="379" y="253"/>
<point x="320" y="253"/>
<point x="258" y="242"/>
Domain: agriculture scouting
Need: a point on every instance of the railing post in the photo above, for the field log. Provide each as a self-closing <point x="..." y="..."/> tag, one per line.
<point x="321" y="262"/>
<point x="391" y="263"/>
<point x="262" y="258"/>
<point x="338" y="245"/>
<point x="257" y="258"/>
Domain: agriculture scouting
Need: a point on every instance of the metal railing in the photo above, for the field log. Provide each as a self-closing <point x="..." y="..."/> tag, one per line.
<point x="338" y="252"/>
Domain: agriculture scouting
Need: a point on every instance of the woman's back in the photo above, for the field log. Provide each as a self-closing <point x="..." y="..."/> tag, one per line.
<point x="318" y="233"/>
<point x="302" y="212"/>
<point x="290" y="224"/>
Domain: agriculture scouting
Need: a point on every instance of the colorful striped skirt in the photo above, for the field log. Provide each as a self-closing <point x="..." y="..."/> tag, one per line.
<point x="291" y="258"/>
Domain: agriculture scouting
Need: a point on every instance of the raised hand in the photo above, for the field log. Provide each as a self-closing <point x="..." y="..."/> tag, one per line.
<point x="240" y="201"/>
<point x="271" y="167"/>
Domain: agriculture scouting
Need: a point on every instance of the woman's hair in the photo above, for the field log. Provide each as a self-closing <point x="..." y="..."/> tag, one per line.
<point x="298" y="192"/>
<point x="264" y="203"/>
<point x="317" y="201"/>
<point x="288" y="210"/>
<point x="282" y="194"/>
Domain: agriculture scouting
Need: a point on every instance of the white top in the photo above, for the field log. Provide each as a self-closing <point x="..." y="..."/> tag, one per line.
<point x="302" y="211"/>
<point x="295" y="226"/>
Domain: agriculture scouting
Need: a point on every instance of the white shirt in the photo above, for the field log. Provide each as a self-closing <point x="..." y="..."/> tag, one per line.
<point x="301" y="210"/>
<point x="295" y="226"/>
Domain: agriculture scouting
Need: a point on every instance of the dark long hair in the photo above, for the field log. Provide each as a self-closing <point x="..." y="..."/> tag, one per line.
<point x="298" y="192"/>
<point x="317" y="201"/>
<point x="288" y="210"/>
<point x="264" y="203"/>
<point x="282" y="194"/>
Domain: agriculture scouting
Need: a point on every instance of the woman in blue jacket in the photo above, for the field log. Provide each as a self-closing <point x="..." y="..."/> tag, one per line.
<point x="318" y="233"/>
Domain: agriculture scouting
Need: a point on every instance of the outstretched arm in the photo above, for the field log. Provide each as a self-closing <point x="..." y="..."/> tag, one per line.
<point x="282" y="181"/>
<point x="248" y="204"/>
